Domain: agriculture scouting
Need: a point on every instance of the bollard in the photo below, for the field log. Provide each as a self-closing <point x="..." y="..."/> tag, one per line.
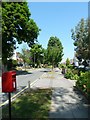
<point x="28" y="85"/>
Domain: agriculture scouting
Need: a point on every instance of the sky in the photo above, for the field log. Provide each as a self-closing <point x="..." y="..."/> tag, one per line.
<point x="58" y="0"/>
<point x="57" y="19"/>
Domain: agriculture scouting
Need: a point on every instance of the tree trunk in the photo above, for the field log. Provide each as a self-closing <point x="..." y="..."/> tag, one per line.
<point x="4" y="64"/>
<point x="4" y="68"/>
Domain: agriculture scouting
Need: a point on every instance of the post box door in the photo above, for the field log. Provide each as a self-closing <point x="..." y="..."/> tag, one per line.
<point x="14" y="80"/>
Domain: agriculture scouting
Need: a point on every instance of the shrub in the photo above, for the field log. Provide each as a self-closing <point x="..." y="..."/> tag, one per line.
<point x="75" y="71"/>
<point x="62" y="66"/>
<point x="69" y="74"/>
<point x="70" y="66"/>
<point x="84" y="82"/>
<point x="67" y="62"/>
<point x="75" y="77"/>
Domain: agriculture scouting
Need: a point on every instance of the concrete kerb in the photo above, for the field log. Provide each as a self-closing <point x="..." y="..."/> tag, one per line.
<point x="19" y="93"/>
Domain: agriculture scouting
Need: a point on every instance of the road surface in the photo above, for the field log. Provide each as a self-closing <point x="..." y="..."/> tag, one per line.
<point x="32" y="75"/>
<point x="22" y="81"/>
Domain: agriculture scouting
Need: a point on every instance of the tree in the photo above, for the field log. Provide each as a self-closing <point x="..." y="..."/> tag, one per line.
<point x="37" y="54"/>
<point x="54" y="51"/>
<point x="67" y="62"/>
<point x="11" y="64"/>
<point x="81" y="37"/>
<point x="25" y="55"/>
<point x="16" y="26"/>
<point x="44" y="56"/>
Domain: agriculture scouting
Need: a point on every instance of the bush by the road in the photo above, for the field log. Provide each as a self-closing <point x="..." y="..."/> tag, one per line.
<point x="84" y="83"/>
<point x="82" y="77"/>
<point x="71" y="74"/>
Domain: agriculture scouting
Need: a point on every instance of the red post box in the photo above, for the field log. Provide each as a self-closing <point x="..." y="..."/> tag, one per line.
<point x="9" y="81"/>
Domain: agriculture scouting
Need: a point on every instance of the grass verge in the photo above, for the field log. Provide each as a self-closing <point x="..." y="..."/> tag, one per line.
<point x="34" y="104"/>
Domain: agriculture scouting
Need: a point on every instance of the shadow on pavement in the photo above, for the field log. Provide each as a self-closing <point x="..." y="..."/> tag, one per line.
<point x="20" y="72"/>
<point x="45" y="71"/>
<point x="68" y="103"/>
<point x="78" y="92"/>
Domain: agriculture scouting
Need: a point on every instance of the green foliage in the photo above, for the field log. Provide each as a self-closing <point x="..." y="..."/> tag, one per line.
<point x="75" y="71"/>
<point x="81" y="37"/>
<point x="84" y="82"/>
<point x="70" y="66"/>
<point x="16" y="26"/>
<point x="37" y="54"/>
<point x="11" y="64"/>
<point x="62" y="65"/>
<point x="14" y="63"/>
<point x="67" y="62"/>
<point x="44" y="56"/>
<point x="71" y="74"/>
<point x="33" y="105"/>
<point x="54" y="51"/>
<point x="75" y="77"/>
<point x="25" y="55"/>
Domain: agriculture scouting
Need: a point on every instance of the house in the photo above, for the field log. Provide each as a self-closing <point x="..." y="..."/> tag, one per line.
<point x="19" y="59"/>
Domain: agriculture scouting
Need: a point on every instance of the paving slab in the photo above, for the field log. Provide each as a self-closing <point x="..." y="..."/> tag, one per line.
<point x="67" y="104"/>
<point x="66" y="101"/>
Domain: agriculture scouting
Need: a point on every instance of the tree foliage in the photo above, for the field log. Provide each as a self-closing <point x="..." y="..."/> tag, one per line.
<point x="16" y="26"/>
<point x="54" y="51"/>
<point x="81" y="37"/>
<point x="37" y="54"/>
<point x="25" y="55"/>
<point x="67" y="62"/>
<point x="45" y="61"/>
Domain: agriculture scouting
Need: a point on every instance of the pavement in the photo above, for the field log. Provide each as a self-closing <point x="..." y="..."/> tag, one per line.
<point x="67" y="101"/>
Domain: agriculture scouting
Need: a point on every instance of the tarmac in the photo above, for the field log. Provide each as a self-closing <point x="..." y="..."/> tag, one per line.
<point x="66" y="101"/>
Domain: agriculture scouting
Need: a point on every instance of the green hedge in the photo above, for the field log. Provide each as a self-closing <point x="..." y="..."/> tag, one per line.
<point x="82" y="77"/>
<point x="71" y="74"/>
<point x="84" y="82"/>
